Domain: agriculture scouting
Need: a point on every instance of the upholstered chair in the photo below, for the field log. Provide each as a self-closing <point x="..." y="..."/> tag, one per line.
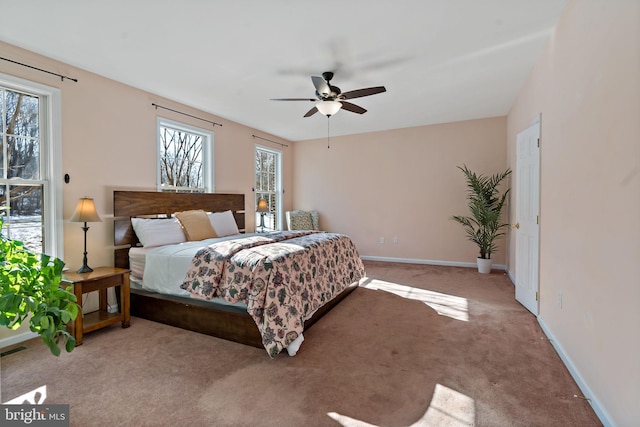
<point x="302" y="220"/>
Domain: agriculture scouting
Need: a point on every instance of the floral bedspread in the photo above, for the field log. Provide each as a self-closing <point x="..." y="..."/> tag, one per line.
<point x="283" y="277"/>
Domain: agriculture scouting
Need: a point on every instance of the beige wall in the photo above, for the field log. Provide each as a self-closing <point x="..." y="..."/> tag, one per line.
<point x="401" y="183"/>
<point x="587" y="87"/>
<point x="109" y="143"/>
<point x="19" y="335"/>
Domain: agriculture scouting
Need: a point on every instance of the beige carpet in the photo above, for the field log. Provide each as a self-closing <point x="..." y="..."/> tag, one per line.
<point x="382" y="357"/>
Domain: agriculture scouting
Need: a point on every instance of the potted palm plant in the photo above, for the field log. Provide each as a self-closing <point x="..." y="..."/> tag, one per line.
<point x="485" y="202"/>
<point x="30" y="286"/>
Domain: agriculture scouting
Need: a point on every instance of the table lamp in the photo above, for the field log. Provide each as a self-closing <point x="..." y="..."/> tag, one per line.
<point x="85" y="212"/>
<point x="263" y="208"/>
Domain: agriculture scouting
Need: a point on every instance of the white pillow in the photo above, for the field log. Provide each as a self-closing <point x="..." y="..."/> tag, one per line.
<point x="224" y="223"/>
<point x="158" y="232"/>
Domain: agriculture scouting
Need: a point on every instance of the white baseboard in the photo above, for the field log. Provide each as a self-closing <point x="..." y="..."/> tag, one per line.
<point x="597" y="407"/>
<point x="17" y="339"/>
<point x="430" y="262"/>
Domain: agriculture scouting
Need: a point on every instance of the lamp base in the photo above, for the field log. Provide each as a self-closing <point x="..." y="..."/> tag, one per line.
<point x="85" y="269"/>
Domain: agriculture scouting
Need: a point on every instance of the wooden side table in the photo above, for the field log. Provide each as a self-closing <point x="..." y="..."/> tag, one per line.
<point x="100" y="279"/>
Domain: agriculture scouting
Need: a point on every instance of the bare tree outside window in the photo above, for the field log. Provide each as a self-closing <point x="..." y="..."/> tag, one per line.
<point x="182" y="160"/>
<point x="21" y="187"/>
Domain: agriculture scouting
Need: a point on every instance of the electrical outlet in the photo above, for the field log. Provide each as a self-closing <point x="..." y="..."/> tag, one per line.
<point x="382" y="240"/>
<point x="395" y="240"/>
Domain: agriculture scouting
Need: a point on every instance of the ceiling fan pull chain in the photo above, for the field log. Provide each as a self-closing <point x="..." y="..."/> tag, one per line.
<point x="328" y="118"/>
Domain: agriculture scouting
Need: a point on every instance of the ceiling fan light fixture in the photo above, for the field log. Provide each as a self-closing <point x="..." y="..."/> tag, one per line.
<point x="328" y="108"/>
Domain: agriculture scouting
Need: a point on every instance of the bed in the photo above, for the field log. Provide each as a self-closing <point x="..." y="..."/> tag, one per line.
<point x="261" y="290"/>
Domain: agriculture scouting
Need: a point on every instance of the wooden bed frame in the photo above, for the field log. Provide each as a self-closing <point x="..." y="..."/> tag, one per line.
<point x="222" y="321"/>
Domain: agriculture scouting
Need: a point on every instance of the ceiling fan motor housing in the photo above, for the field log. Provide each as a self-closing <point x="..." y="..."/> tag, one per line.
<point x="330" y="96"/>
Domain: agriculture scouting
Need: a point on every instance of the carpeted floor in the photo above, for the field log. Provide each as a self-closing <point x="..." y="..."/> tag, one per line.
<point x="382" y="357"/>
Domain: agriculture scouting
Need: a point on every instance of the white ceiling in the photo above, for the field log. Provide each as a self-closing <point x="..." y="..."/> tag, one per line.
<point x="440" y="60"/>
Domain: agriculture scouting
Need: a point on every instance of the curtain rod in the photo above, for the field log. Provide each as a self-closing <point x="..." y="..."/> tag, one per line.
<point x="265" y="139"/>
<point x="40" y="69"/>
<point x="185" y="114"/>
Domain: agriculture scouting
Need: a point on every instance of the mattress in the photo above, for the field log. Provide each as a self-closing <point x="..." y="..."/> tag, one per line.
<point x="137" y="257"/>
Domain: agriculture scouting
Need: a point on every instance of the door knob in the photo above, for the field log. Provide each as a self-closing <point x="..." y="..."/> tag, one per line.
<point x="516" y="225"/>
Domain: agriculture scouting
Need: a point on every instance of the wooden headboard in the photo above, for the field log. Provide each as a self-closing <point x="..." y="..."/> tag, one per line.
<point x="127" y="204"/>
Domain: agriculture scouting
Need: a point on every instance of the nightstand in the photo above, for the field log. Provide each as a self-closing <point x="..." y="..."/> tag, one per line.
<point x="100" y="279"/>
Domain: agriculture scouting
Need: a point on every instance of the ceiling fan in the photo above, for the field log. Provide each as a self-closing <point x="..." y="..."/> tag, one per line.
<point x="330" y="99"/>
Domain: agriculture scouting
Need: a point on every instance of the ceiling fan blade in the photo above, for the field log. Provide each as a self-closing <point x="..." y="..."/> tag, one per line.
<point x="358" y="93"/>
<point x="321" y="86"/>
<point x="352" y="107"/>
<point x="293" y="99"/>
<point x="311" y="112"/>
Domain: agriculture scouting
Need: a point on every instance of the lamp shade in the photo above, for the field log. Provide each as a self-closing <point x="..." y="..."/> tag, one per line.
<point x="263" y="206"/>
<point x="85" y="211"/>
<point x="328" y="108"/>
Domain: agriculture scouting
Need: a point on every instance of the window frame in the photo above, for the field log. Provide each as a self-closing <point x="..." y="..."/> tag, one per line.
<point x="208" y="158"/>
<point x="50" y="123"/>
<point x="279" y="213"/>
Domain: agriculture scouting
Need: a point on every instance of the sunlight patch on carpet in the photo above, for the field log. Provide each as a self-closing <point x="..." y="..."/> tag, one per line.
<point x="33" y="397"/>
<point x="444" y="304"/>
<point x="448" y="408"/>
<point x="345" y="421"/>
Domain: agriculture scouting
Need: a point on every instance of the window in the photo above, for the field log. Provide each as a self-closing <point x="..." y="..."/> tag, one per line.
<point x="29" y="157"/>
<point x="268" y="185"/>
<point x="185" y="158"/>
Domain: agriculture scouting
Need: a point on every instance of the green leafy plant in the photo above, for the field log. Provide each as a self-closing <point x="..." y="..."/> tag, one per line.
<point x="485" y="202"/>
<point x="30" y="285"/>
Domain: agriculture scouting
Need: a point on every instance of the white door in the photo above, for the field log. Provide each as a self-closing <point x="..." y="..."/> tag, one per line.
<point x="527" y="222"/>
